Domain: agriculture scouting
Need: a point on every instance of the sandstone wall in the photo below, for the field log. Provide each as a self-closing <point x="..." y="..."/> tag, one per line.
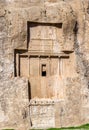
<point x="14" y="98"/>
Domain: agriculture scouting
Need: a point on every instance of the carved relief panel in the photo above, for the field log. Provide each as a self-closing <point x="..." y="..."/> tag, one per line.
<point x="45" y="37"/>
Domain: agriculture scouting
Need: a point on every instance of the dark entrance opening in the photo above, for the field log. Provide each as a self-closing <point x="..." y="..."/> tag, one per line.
<point x="43" y="72"/>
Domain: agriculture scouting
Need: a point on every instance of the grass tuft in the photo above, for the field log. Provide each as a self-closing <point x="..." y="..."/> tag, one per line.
<point x="7" y="129"/>
<point x="83" y="127"/>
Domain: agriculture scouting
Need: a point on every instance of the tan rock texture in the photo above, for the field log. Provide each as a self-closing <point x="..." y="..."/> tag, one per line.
<point x="44" y="63"/>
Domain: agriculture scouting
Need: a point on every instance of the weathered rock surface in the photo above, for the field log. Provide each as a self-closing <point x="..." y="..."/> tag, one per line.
<point x="72" y="108"/>
<point x="14" y="93"/>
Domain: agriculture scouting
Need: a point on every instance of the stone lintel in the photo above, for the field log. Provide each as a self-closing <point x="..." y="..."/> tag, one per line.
<point x="44" y="54"/>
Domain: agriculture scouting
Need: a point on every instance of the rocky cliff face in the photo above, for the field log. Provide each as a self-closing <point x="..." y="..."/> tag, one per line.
<point x="71" y="110"/>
